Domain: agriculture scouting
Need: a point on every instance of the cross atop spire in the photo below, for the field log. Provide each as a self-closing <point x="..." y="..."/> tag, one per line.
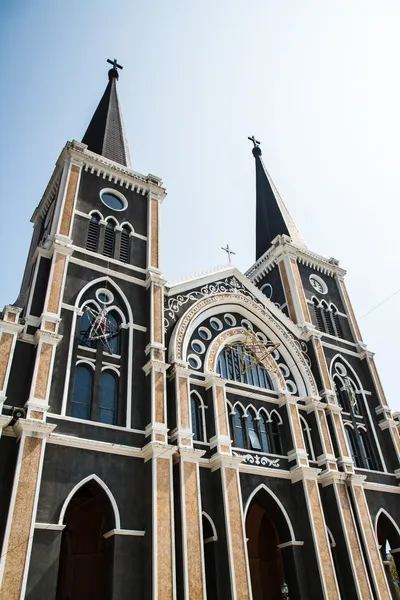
<point x="105" y="134"/>
<point x="253" y="139"/>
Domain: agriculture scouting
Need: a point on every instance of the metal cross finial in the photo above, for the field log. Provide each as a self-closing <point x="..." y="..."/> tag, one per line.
<point x="114" y="64"/>
<point x="255" y="142"/>
<point x="229" y="252"/>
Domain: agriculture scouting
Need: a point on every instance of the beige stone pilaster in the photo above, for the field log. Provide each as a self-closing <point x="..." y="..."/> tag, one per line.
<point x="192" y="527"/>
<point x="392" y="426"/>
<point x="183" y="432"/>
<point x="163" y="531"/>
<point x="345" y="459"/>
<point x="371" y="549"/>
<point x="350" y="534"/>
<point x="222" y="439"/>
<point x="153" y="235"/>
<point x="322" y="365"/>
<point x="293" y="287"/>
<point x="327" y="458"/>
<point x="326" y="568"/>
<point x="240" y="581"/>
<point x="349" y="308"/>
<point x="9" y="330"/>
<point x="17" y="544"/>
<point x="298" y="453"/>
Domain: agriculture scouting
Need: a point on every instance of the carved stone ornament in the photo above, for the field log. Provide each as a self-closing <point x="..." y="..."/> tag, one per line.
<point x="256" y="459"/>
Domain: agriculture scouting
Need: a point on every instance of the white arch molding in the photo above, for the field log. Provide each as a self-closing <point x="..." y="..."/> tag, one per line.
<point x="385" y="512"/>
<point x="359" y="387"/>
<point x="107" y="490"/>
<point x="95" y="283"/>
<point x="262" y="486"/>
<point x="265" y="320"/>
<point x="214" y="529"/>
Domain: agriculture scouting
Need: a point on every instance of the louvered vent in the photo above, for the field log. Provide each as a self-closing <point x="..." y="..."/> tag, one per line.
<point x="125" y="246"/>
<point x="109" y="241"/>
<point x="93" y="235"/>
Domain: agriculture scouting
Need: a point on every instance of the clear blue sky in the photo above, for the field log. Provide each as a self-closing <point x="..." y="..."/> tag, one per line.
<point x="316" y="82"/>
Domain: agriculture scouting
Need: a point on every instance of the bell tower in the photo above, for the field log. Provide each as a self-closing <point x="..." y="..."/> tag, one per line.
<point x="358" y="431"/>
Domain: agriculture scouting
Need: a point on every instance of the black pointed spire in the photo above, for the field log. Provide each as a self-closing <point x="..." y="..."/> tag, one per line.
<point x="105" y="134"/>
<point x="272" y="216"/>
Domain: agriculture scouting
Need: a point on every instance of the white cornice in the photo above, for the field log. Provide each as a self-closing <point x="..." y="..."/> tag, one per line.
<point x="282" y="245"/>
<point x="103" y="167"/>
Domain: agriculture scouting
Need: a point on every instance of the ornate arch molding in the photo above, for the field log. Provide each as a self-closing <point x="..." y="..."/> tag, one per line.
<point x="284" y="522"/>
<point x="249" y="309"/>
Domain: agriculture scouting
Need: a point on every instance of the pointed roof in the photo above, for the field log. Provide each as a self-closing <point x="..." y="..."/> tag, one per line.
<point x="272" y="216"/>
<point x="105" y="134"/>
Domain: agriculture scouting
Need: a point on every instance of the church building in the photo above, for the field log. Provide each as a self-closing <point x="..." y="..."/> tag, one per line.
<point x="226" y="437"/>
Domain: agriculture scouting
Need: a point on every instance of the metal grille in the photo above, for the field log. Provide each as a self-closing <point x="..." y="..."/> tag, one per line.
<point x="92" y="236"/>
<point x="125" y="247"/>
<point x="109" y="241"/>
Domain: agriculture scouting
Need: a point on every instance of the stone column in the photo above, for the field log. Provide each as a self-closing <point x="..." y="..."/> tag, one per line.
<point x="349" y="308"/>
<point x="293" y="287"/>
<point x="345" y="461"/>
<point x="163" y="533"/>
<point x="349" y="530"/>
<point x="299" y="452"/>
<point x="327" y="459"/>
<point x="240" y="582"/>
<point x="9" y="330"/>
<point x="323" y="553"/>
<point x="222" y="439"/>
<point x="371" y="550"/>
<point x="183" y="432"/>
<point x="194" y="583"/>
<point x="21" y="518"/>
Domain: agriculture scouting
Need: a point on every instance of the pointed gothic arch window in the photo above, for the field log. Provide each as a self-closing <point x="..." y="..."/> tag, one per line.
<point x="239" y="439"/>
<point x="115" y="341"/>
<point x="351" y="438"/>
<point x="326" y="318"/>
<point x="125" y="245"/>
<point x="265" y="433"/>
<point x="81" y="404"/>
<point x="366" y="450"/>
<point x="307" y="438"/>
<point x="317" y="313"/>
<point x="85" y="325"/>
<point x="92" y="240"/>
<point x="108" y="398"/>
<point x="235" y="363"/>
<point x="109" y="240"/>
<point x="341" y="393"/>
<point x="197" y="417"/>
<point x="275" y="434"/>
<point x="254" y="440"/>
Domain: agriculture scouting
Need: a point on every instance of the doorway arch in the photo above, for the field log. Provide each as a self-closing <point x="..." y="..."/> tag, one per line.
<point x="388" y="534"/>
<point x="273" y="551"/>
<point x="85" y="568"/>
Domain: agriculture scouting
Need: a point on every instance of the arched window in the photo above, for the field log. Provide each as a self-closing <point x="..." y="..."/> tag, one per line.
<point x="92" y="240"/>
<point x="351" y="438"/>
<point x="366" y="450"/>
<point x="275" y="435"/>
<point x="336" y="322"/>
<point x="197" y="418"/>
<point x="254" y="440"/>
<point x="265" y="433"/>
<point x="115" y="340"/>
<point x="109" y="240"/>
<point x="235" y="363"/>
<point x="84" y="331"/>
<point x="341" y="393"/>
<point x="317" y="312"/>
<point x="81" y="404"/>
<point x="238" y="428"/>
<point x="124" y="251"/>
<point x="326" y="317"/>
<point x="307" y="438"/>
<point x="108" y="398"/>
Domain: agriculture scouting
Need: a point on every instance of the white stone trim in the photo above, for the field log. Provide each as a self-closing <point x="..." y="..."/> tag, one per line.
<point x="132" y="532"/>
<point x="262" y="486"/>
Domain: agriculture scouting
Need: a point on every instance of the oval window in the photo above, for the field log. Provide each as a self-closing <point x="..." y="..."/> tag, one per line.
<point x="113" y="199"/>
<point x="204" y="333"/>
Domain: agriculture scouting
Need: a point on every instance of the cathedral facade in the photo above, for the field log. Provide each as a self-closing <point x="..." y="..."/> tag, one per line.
<point x="223" y="438"/>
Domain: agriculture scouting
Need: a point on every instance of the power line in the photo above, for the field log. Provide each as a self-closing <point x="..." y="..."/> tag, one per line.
<point x="380" y="304"/>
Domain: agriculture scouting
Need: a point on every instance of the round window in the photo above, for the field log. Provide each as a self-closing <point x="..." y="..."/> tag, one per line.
<point x="198" y="346"/>
<point x="204" y="333"/>
<point x="216" y="324"/>
<point x="318" y="284"/>
<point x="104" y="296"/>
<point x="113" y="199"/>
<point x="230" y="320"/>
<point x="194" y="361"/>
